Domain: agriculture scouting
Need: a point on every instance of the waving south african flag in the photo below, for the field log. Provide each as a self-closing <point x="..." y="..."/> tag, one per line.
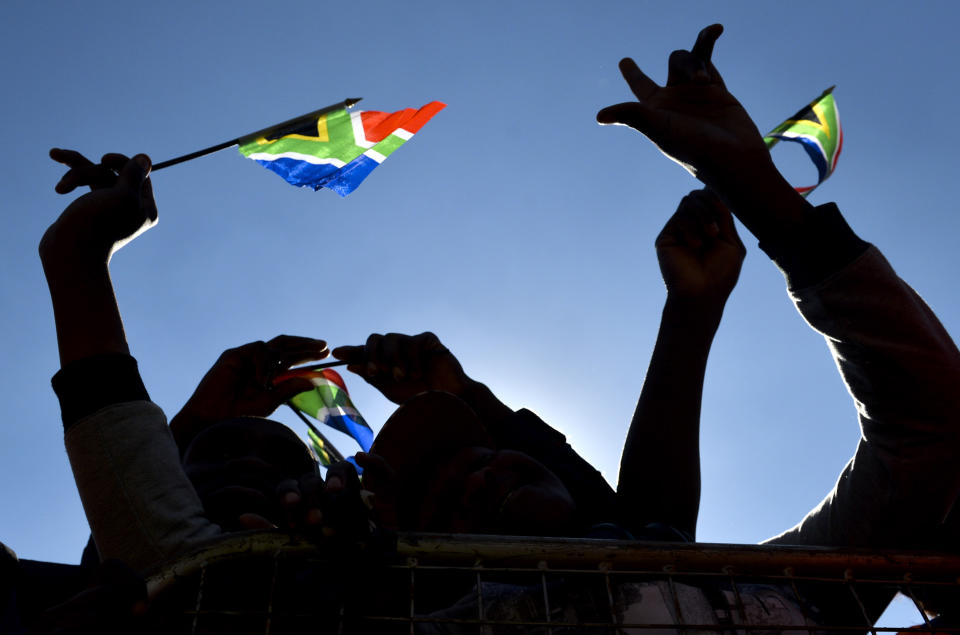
<point x="817" y="128"/>
<point x="339" y="148"/>
<point x="330" y="403"/>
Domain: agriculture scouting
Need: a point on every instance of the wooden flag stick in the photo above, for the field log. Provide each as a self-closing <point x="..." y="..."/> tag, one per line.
<point x="334" y="453"/>
<point x="279" y="129"/>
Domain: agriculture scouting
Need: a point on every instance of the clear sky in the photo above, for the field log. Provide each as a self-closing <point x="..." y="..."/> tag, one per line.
<point x="512" y="225"/>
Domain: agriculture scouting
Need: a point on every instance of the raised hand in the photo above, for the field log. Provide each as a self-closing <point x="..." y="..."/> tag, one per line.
<point x="241" y="384"/>
<point x="403" y="366"/>
<point x="331" y="507"/>
<point x="700" y="255"/>
<point x="699" y="251"/>
<point x="75" y="250"/>
<point x="694" y="119"/>
<point x="119" y="207"/>
<point x="380" y="480"/>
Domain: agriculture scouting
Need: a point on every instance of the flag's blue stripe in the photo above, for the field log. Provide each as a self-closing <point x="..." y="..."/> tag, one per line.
<point x="336" y="422"/>
<point x="351" y="175"/>
<point x="352" y="461"/>
<point x="814" y="152"/>
<point x="301" y="173"/>
<point x="356" y="429"/>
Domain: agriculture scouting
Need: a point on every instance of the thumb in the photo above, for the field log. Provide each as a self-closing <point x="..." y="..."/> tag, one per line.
<point x="633" y="114"/>
<point x="135" y="172"/>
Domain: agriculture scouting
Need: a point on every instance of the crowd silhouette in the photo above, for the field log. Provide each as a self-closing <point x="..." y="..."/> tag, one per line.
<point x="453" y="458"/>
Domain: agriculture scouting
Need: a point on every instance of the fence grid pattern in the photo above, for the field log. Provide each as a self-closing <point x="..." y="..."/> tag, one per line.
<point x="271" y="583"/>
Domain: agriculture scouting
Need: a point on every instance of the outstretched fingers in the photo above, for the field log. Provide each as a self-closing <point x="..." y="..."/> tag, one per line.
<point x="70" y="158"/>
<point x="636" y="114"/>
<point x="694" y="66"/>
<point x="642" y="86"/>
<point x="703" y="47"/>
<point x="82" y="172"/>
<point x="629" y="113"/>
<point x="288" y="350"/>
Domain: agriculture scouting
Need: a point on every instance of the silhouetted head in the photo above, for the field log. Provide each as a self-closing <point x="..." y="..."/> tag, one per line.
<point x="237" y="464"/>
<point x="452" y="478"/>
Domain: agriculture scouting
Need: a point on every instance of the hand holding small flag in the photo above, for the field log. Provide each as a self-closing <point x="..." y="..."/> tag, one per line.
<point x="244" y="382"/>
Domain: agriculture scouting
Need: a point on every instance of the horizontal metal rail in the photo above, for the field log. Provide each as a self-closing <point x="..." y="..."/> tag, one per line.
<point x="543" y="572"/>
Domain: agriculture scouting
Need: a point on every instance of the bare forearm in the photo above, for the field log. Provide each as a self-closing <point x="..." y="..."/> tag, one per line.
<point x="660" y="467"/>
<point x="762" y="199"/>
<point x="85" y="309"/>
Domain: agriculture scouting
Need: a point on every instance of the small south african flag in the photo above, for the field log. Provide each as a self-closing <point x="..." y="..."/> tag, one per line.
<point x="329" y="402"/>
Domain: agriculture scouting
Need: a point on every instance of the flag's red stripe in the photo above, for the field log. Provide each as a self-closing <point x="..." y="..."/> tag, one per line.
<point x="423" y="115"/>
<point x="333" y="376"/>
<point x="378" y="125"/>
<point x="327" y="374"/>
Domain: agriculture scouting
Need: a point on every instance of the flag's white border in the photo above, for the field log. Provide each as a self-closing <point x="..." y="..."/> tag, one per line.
<point x="266" y="156"/>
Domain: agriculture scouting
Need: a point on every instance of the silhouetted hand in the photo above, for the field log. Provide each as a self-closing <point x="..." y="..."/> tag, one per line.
<point x="300" y="502"/>
<point x="380" y="479"/>
<point x="241" y="383"/>
<point x="113" y="605"/>
<point x="346" y="514"/>
<point x="694" y="119"/>
<point x="118" y="208"/>
<point x="403" y="366"/>
<point x="328" y="508"/>
<point x="699" y="251"/>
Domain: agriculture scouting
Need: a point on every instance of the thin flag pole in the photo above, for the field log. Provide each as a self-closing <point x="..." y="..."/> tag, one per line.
<point x="334" y="453"/>
<point x="322" y="366"/>
<point x="280" y="129"/>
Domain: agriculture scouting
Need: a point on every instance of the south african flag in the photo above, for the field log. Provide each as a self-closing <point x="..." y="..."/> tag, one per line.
<point x="816" y="127"/>
<point x="337" y="149"/>
<point x="330" y="403"/>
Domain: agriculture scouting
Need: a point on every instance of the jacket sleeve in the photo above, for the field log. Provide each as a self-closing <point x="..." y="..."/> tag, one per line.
<point x="903" y="371"/>
<point x="141" y="507"/>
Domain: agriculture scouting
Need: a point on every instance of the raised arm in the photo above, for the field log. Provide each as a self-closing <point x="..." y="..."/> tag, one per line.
<point x="700" y="255"/>
<point x="76" y="249"/>
<point x="118" y="442"/>
<point x="898" y="362"/>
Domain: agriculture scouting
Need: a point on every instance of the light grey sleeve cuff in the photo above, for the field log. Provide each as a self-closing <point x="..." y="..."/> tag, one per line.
<point x="141" y="507"/>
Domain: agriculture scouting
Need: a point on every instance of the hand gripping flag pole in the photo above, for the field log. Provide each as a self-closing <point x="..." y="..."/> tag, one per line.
<point x="279" y="130"/>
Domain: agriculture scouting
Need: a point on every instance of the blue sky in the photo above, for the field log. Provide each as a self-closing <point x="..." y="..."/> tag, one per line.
<point x="512" y="226"/>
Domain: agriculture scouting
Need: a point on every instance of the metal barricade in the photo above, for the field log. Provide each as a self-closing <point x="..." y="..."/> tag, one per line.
<point x="273" y="583"/>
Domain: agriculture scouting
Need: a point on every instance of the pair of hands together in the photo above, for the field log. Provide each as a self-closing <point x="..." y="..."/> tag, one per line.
<point x="243" y="383"/>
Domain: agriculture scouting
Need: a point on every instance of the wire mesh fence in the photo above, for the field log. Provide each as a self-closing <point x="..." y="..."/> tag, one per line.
<point x="272" y="583"/>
